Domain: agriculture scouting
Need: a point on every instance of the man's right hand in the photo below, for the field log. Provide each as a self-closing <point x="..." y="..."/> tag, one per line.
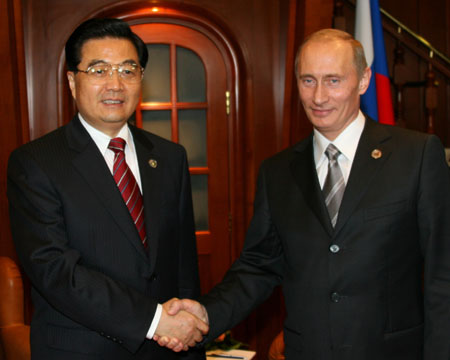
<point x="192" y="324"/>
<point x="182" y="324"/>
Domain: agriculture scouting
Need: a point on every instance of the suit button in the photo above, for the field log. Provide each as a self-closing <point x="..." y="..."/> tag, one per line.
<point x="154" y="277"/>
<point x="334" y="248"/>
<point x="335" y="297"/>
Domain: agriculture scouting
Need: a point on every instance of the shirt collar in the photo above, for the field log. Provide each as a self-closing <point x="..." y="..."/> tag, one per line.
<point x="347" y="141"/>
<point x="101" y="139"/>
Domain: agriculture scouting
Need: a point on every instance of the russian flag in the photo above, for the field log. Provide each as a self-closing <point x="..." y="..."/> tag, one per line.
<point x="377" y="101"/>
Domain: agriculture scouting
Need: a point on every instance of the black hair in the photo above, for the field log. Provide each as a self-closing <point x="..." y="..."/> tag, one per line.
<point x="100" y="29"/>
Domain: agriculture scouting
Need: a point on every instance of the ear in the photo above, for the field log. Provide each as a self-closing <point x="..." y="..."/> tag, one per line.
<point x="72" y="83"/>
<point x="365" y="80"/>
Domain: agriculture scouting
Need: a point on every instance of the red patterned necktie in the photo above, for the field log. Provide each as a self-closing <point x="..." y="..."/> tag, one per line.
<point x="128" y="187"/>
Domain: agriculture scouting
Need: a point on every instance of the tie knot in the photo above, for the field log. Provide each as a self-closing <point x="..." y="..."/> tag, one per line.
<point x="117" y="145"/>
<point x="332" y="152"/>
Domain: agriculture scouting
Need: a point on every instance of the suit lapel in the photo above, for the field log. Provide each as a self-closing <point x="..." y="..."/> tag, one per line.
<point x="92" y="166"/>
<point x="304" y="172"/>
<point x="151" y="168"/>
<point x="365" y="167"/>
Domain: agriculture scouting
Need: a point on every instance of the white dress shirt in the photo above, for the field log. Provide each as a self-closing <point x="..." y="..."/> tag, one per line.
<point x="102" y="141"/>
<point x="346" y="142"/>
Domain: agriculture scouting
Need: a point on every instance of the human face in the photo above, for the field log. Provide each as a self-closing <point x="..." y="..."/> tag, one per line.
<point x="329" y="86"/>
<point x="106" y="106"/>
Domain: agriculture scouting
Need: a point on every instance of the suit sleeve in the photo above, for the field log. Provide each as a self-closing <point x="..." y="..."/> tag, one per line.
<point x="253" y="275"/>
<point x="83" y="294"/>
<point x="434" y="224"/>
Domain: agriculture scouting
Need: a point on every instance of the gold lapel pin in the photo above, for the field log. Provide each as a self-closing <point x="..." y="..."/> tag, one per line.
<point x="153" y="163"/>
<point x="376" y="153"/>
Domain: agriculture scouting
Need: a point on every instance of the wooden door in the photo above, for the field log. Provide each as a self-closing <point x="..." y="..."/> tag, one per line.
<point x="184" y="100"/>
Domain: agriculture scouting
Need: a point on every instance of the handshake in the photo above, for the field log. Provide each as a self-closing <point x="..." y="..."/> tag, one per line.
<point x="182" y="324"/>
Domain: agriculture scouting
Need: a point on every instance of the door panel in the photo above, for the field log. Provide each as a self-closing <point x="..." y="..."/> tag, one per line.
<point x="184" y="101"/>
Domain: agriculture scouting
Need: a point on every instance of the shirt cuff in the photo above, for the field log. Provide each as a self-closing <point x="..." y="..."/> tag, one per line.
<point x="155" y="322"/>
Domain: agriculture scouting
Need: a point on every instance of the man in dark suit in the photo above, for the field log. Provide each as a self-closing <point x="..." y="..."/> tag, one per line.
<point x="347" y="229"/>
<point x="101" y="215"/>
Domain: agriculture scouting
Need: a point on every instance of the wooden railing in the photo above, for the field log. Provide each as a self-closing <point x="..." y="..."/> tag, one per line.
<point x="405" y="38"/>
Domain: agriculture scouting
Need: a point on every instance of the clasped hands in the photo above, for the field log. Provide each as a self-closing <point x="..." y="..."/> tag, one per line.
<point x="183" y="324"/>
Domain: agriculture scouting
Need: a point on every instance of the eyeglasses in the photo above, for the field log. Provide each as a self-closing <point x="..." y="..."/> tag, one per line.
<point x="129" y="73"/>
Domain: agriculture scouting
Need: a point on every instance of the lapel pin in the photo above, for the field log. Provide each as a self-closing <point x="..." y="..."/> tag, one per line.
<point x="376" y="154"/>
<point x="153" y="163"/>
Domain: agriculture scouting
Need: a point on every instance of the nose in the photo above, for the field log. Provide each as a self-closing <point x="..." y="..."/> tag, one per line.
<point x="320" y="94"/>
<point x="113" y="81"/>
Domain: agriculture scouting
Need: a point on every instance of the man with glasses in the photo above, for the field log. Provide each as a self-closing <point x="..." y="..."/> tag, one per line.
<point x="101" y="215"/>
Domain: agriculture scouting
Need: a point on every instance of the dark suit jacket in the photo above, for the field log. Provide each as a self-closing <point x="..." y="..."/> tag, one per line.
<point x="354" y="292"/>
<point x="95" y="289"/>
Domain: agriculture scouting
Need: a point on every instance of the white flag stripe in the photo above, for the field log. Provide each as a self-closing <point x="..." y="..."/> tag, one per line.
<point x="363" y="29"/>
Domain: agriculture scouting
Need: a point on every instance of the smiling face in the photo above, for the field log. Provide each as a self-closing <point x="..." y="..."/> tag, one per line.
<point x="106" y="106"/>
<point x="329" y="85"/>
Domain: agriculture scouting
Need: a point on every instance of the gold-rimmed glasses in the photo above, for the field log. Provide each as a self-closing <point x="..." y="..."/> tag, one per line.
<point x="129" y="72"/>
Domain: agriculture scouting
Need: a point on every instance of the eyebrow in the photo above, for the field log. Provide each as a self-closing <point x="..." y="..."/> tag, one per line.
<point x="95" y="62"/>
<point x="301" y="76"/>
<point x="98" y="61"/>
<point x="130" y="61"/>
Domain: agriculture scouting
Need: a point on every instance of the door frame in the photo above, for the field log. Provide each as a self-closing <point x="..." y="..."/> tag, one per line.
<point x="213" y="243"/>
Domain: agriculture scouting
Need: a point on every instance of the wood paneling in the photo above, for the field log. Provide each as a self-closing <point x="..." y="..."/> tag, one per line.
<point x="430" y="20"/>
<point x="13" y="105"/>
<point x="310" y="16"/>
<point x="13" y="115"/>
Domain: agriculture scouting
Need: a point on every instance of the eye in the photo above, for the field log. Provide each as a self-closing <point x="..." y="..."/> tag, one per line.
<point x="334" y="81"/>
<point x="308" y="82"/>
<point x="98" y="71"/>
<point x="128" y="70"/>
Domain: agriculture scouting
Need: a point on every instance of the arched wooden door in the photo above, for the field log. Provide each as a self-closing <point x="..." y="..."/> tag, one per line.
<point x="184" y="100"/>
